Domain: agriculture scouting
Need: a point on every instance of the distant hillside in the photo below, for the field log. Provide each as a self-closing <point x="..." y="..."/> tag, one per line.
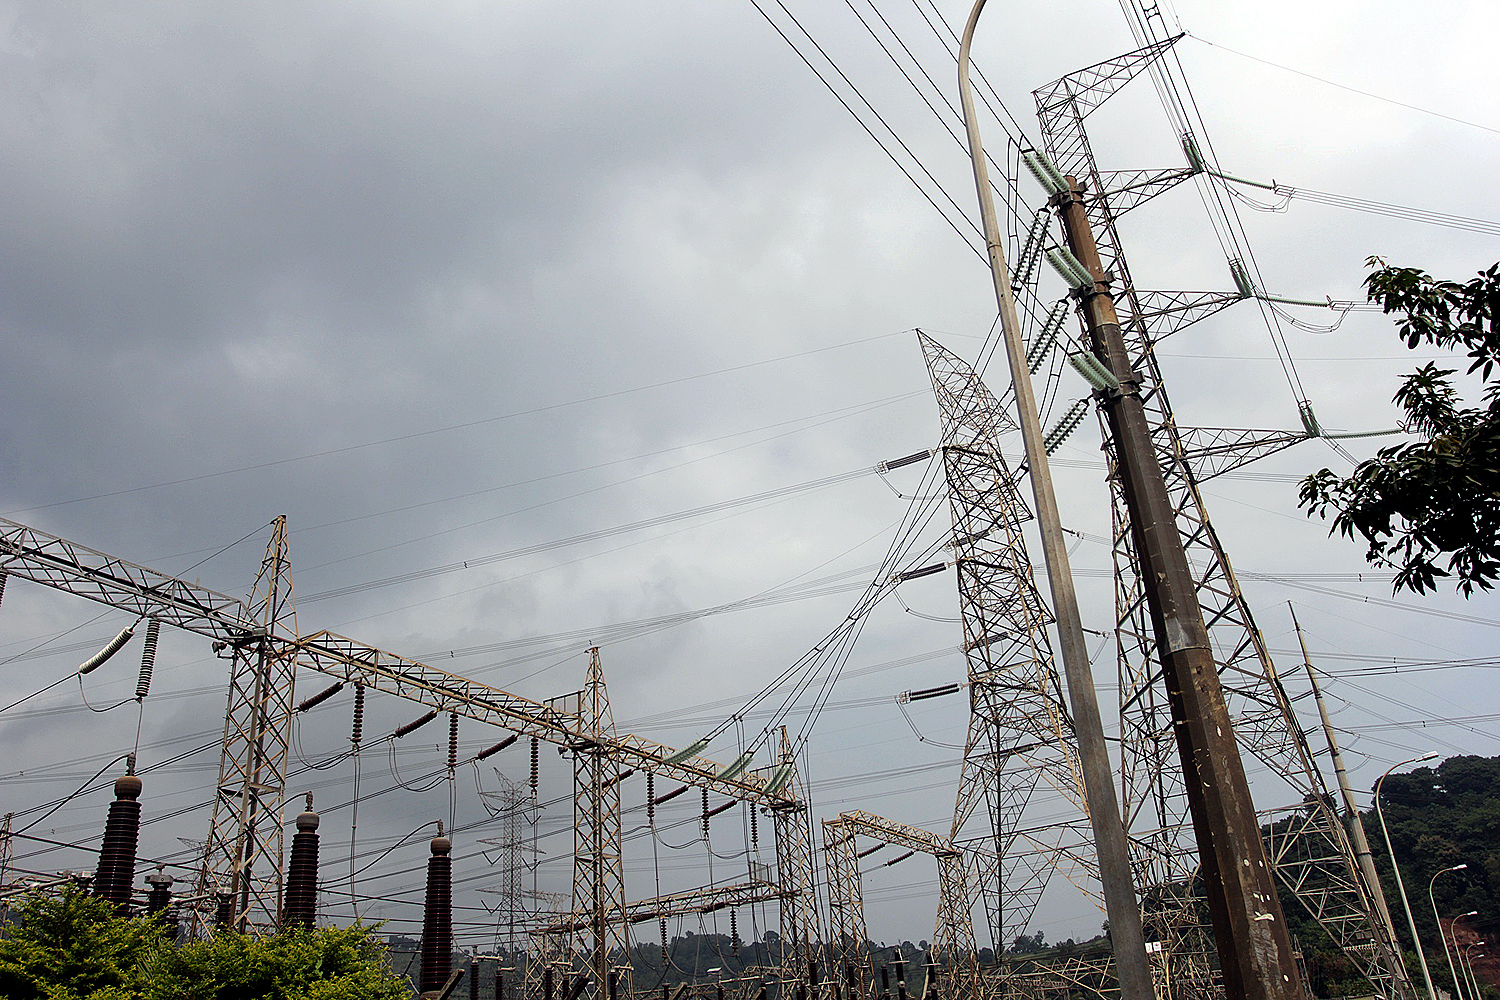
<point x="1437" y="817"/>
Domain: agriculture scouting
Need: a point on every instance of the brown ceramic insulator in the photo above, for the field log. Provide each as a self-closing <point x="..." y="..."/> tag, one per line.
<point x="452" y="740"/>
<point x="437" y="918"/>
<point x="116" y="871"/>
<point x="148" y="659"/>
<point x="301" y="904"/>
<point x="357" y="730"/>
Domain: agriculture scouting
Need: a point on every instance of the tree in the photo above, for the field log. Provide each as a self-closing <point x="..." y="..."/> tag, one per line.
<point x="73" y="946"/>
<point x="1416" y="503"/>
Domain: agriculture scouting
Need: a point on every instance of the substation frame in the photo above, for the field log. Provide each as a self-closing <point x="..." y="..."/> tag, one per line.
<point x="1309" y="847"/>
<point x="243" y="861"/>
<point x="954" y="949"/>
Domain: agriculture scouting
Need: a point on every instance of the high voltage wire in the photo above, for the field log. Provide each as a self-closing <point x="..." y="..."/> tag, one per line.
<point x="589" y="536"/>
<point x="482" y="421"/>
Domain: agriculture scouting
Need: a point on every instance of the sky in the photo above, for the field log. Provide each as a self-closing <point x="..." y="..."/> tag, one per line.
<point x="558" y="325"/>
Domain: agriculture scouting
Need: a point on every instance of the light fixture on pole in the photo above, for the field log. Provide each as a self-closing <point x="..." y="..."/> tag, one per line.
<point x="1463" y="970"/>
<point x="1468" y="964"/>
<point x="1411" y="921"/>
<point x="1444" y="937"/>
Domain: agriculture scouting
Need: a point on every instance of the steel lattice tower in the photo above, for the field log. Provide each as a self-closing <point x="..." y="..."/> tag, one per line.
<point x="598" y="870"/>
<point x="510" y="803"/>
<point x="1311" y="850"/>
<point x="1020" y="749"/>
<point x="243" y="856"/>
<point x="801" y="933"/>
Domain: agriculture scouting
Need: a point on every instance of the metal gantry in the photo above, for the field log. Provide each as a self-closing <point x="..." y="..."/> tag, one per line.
<point x="264" y="640"/>
<point x="1155" y="800"/>
<point x="953" y="943"/>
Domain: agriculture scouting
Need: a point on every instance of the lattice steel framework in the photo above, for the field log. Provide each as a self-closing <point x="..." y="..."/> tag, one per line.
<point x="598" y="869"/>
<point x="1020" y="749"/>
<point x="244" y="856"/>
<point x="1153" y="797"/>
<point x="953" y="943"/>
<point x="509" y="803"/>
<point x="801" y="931"/>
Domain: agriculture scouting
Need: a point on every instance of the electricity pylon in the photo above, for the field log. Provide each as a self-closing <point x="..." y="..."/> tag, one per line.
<point x="1324" y="875"/>
<point x="1020" y="748"/>
<point x="244" y="856"/>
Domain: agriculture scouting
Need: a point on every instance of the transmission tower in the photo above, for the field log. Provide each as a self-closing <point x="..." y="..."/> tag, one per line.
<point x="1317" y="862"/>
<point x="243" y="859"/>
<point x="598" y="870"/>
<point x="1020" y="751"/>
<point x="509" y="803"/>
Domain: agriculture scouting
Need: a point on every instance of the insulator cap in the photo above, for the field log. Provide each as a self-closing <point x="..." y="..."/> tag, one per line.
<point x="441" y="845"/>
<point x="307" y="821"/>
<point x="127" y="786"/>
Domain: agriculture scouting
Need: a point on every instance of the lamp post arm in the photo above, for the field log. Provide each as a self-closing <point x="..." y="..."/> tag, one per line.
<point x="1411" y="921"/>
<point x="1131" y="965"/>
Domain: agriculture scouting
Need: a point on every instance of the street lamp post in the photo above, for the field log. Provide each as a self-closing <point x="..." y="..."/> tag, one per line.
<point x="1463" y="968"/>
<point x="1444" y="937"/>
<point x="1411" y="921"/>
<point x="1468" y="963"/>
<point x="1124" y="911"/>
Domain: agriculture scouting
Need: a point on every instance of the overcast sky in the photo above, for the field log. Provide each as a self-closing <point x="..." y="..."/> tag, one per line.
<point x="441" y="282"/>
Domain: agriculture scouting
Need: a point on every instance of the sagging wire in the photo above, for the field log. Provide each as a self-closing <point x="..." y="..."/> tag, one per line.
<point x="88" y="666"/>
<point x="396" y="773"/>
<point x="81" y="788"/>
<point x="353" y="874"/>
<point x="909" y="610"/>
<point x="918" y="733"/>
<point x="1279" y="207"/>
<point x="1342" y="309"/>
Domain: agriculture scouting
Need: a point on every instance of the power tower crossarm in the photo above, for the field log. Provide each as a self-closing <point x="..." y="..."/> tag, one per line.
<point x="1131" y="188"/>
<point x="32" y="554"/>
<point x="700" y="900"/>
<point x="52" y="561"/>
<point x="897" y="834"/>
<point x="379" y="670"/>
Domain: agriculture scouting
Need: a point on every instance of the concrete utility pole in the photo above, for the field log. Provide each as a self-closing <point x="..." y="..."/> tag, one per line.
<point x="1356" y="825"/>
<point x="1121" y="906"/>
<point x="1255" y="948"/>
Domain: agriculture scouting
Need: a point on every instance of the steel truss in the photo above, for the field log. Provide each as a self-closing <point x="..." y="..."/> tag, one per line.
<point x="1020" y="751"/>
<point x="264" y="640"/>
<point x="598" y="869"/>
<point x="953" y="944"/>
<point x="244" y="857"/>
<point x="1153" y="797"/>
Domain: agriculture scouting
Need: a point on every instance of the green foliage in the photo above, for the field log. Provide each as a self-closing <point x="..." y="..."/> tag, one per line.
<point x="72" y="946"/>
<point x="1415" y="503"/>
<point x="324" y="964"/>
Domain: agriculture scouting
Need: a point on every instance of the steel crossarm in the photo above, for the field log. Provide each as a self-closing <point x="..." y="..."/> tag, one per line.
<point x="701" y="900"/>
<point x="32" y="554"/>
<point x="356" y="662"/>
